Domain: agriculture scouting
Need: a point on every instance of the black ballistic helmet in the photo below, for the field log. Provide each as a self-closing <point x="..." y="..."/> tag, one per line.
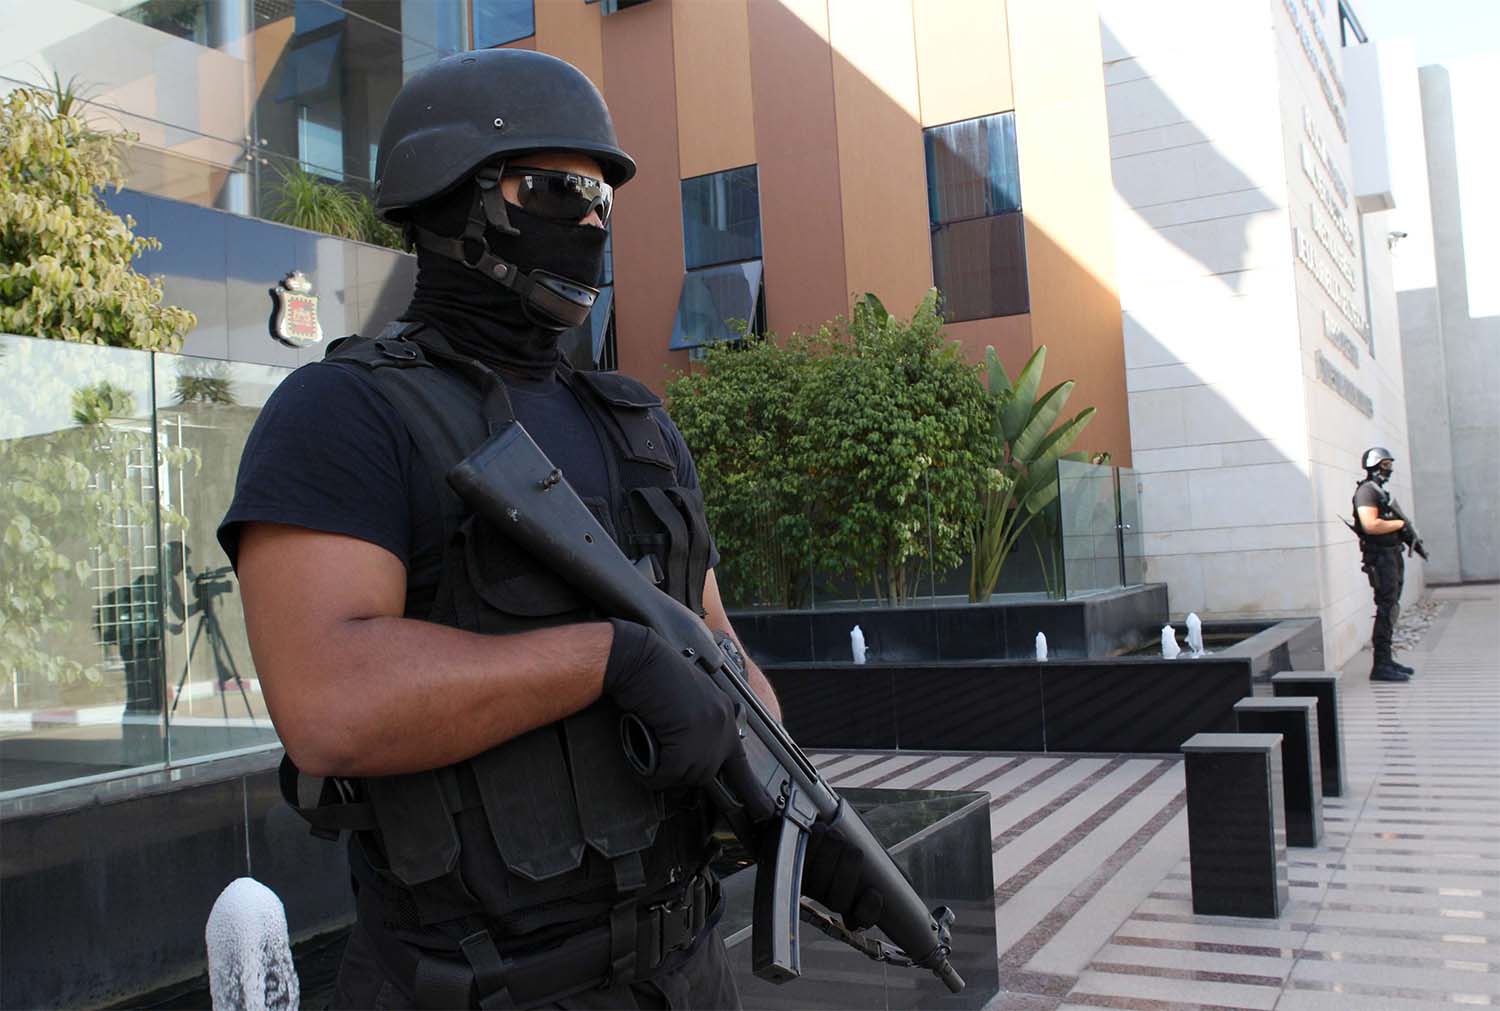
<point x="471" y="108"/>
<point x="1374" y="457"/>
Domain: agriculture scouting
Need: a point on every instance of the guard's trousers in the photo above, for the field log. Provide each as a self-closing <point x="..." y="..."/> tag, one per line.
<point x="1387" y="569"/>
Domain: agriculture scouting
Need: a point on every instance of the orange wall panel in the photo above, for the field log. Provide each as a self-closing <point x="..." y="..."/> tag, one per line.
<point x="1067" y="196"/>
<point x="796" y="129"/>
<point x="715" y="115"/>
<point x="963" y="59"/>
<point x="1010" y="336"/>
<point x="573" y="32"/>
<point x="882" y="172"/>
<point x="640" y="87"/>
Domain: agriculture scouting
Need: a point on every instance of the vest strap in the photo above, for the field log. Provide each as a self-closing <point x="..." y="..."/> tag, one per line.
<point x="632" y="945"/>
<point x="670" y="519"/>
<point x="622" y="941"/>
<point x="489" y="970"/>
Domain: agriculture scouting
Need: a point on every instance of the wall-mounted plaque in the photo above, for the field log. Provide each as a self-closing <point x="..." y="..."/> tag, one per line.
<point x="294" y="311"/>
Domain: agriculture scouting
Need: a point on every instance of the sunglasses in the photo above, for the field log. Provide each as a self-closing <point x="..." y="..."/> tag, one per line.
<point x="563" y="196"/>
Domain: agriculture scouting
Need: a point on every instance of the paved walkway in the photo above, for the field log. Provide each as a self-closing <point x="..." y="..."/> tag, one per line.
<point x="1398" y="909"/>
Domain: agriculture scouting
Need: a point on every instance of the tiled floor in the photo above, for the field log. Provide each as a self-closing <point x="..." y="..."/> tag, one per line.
<point x="1399" y="908"/>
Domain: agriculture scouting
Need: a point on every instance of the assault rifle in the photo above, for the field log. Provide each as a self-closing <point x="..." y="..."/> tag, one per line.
<point x="1408" y="531"/>
<point x="1390" y="509"/>
<point x="771" y="794"/>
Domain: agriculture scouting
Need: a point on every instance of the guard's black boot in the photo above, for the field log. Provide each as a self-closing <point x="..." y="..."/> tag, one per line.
<point x="1386" y="670"/>
<point x="1403" y="668"/>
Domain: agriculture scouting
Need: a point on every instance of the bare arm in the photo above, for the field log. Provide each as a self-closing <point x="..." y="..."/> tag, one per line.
<point x="1370" y="521"/>
<point x="354" y="689"/>
<point x="719" y="622"/>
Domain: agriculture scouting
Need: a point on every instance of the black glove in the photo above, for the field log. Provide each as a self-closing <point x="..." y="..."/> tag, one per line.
<point x="692" y="720"/>
<point x="833" y="874"/>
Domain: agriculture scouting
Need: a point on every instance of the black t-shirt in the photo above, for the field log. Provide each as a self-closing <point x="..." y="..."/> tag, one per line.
<point x="1369" y="494"/>
<point x="329" y="453"/>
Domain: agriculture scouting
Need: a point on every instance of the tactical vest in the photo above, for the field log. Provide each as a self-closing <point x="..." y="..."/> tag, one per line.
<point x="550" y="828"/>
<point x="1367" y="541"/>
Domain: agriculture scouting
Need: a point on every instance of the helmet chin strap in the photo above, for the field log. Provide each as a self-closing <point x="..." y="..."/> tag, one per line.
<point x="550" y="302"/>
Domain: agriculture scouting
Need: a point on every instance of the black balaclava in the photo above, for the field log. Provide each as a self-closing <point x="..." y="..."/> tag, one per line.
<point x="481" y="318"/>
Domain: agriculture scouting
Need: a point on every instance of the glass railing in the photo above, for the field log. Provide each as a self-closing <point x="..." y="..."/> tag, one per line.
<point x="1089" y="523"/>
<point x="1099" y="509"/>
<point x="122" y="646"/>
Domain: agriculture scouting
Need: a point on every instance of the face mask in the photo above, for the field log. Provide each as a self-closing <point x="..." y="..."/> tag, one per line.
<point x="545" y="250"/>
<point x="490" y="321"/>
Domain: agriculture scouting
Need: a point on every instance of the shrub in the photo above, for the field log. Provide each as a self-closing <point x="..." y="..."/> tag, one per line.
<point x="856" y="452"/>
<point x="65" y="258"/>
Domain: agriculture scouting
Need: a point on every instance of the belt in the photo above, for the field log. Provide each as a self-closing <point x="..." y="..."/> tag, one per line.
<point x="634" y="943"/>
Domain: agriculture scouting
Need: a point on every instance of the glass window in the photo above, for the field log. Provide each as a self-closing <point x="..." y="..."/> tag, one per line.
<point x="497" y="22"/>
<point x="974" y="209"/>
<point x="979" y="266"/>
<point x="615" y="6"/>
<point x="721" y="217"/>
<point x="971" y="169"/>
<point x="584" y="345"/>
<point x="711" y="297"/>
<point x="204" y="411"/>
<point x="119" y="465"/>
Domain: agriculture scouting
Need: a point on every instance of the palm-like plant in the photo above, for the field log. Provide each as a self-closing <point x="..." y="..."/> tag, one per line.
<point x="1025" y="482"/>
<point x="376" y="231"/>
<point x="303" y="199"/>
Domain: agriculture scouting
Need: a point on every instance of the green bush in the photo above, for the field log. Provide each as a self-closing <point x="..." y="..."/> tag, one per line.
<point x="745" y="416"/>
<point x="65" y="258"/>
<point x="305" y="199"/>
<point x="857" y="453"/>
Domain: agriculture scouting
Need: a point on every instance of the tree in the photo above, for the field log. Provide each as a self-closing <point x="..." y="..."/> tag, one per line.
<point x="72" y="436"/>
<point x="1024" y="482"/>
<point x="854" y="452"/>
<point x="65" y="258"/>
<point x="744" y="415"/>
<point x="901" y="443"/>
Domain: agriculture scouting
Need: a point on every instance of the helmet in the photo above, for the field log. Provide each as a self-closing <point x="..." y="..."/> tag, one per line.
<point x="1374" y="457"/>
<point x="467" y="109"/>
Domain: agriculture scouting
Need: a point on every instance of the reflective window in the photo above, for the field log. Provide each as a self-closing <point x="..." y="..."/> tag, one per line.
<point x="979" y="265"/>
<point x="712" y="297"/>
<point x="615" y="6"/>
<point x="497" y="22"/>
<point x="330" y="80"/>
<point x="589" y="345"/>
<point x="721" y="217"/>
<point x="971" y="169"/>
<point x="204" y="411"/>
<point x="119" y="609"/>
<point x="974" y="205"/>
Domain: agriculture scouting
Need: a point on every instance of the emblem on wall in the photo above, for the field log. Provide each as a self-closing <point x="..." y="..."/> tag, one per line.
<point x="294" y="312"/>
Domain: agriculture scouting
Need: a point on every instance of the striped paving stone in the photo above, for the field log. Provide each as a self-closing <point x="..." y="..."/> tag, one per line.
<point x="1399" y="908"/>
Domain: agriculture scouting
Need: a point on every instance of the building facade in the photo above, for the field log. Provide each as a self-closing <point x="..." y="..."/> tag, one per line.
<point x="1262" y="338"/>
<point x="793" y="155"/>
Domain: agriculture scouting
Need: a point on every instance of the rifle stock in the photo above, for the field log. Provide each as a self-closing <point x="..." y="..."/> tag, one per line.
<point x="771" y="794"/>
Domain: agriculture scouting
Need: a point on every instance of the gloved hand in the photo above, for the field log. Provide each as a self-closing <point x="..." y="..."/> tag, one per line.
<point x="833" y="874"/>
<point x="692" y="720"/>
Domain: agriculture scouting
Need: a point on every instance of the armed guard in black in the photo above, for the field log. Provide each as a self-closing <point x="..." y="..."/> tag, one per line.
<point x="1383" y="532"/>
<point x="544" y="866"/>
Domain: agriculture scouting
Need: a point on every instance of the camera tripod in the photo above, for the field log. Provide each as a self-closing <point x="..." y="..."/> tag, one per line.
<point x="208" y="618"/>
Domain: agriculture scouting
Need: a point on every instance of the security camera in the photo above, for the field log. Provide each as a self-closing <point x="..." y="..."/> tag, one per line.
<point x="1391" y="238"/>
